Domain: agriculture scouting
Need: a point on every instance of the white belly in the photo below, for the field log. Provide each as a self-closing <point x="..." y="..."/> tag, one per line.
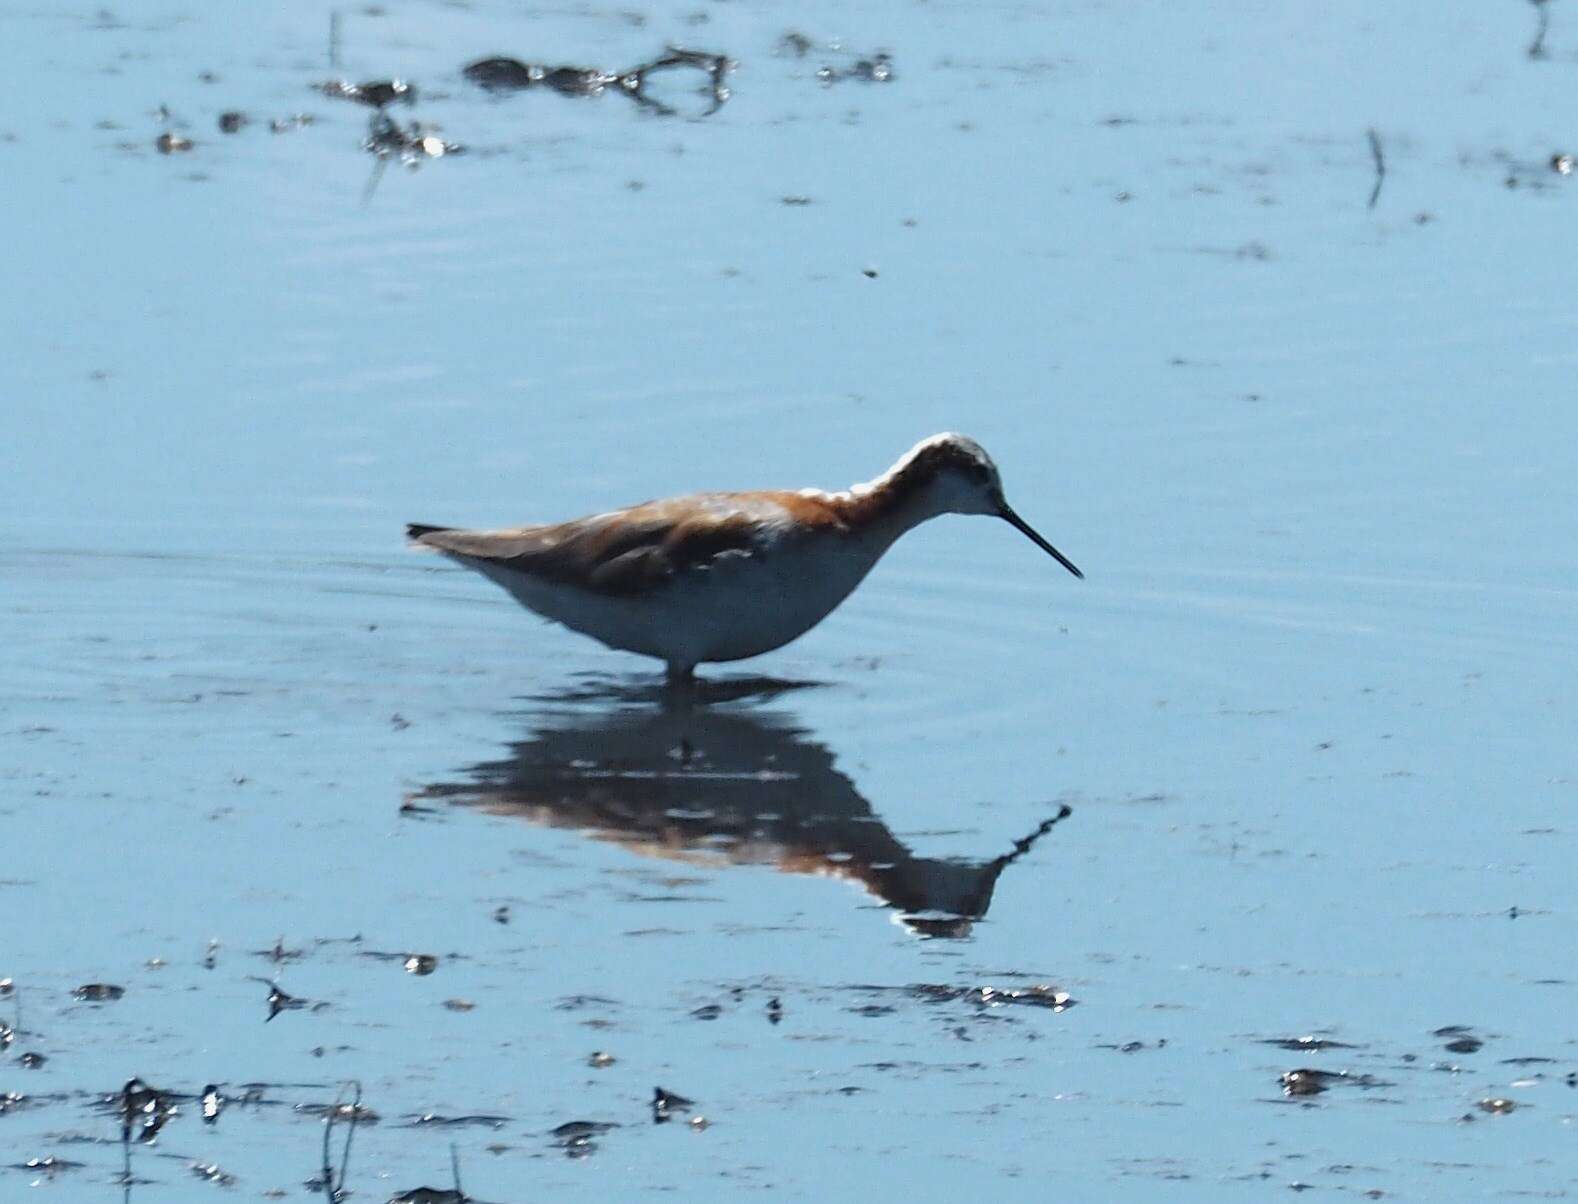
<point x="741" y="605"/>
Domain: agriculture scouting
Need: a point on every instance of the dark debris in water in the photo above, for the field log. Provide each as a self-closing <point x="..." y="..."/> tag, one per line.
<point x="233" y="121"/>
<point x="1040" y="996"/>
<point x="502" y="74"/>
<point x="1459" y="1039"/>
<point x="212" y="1172"/>
<point x="143" y="1109"/>
<point x="666" y="1103"/>
<point x="378" y="94"/>
<point x="580" y="1003"/>
<point x="1497" y="1105"/>
<point x="1308" y="1081"/>
<point x="795" y="44"/>
<point x="1129" y="1047"/>
<point x="875" y="69"/>
<point x="411" y="144"/>
<point x="871" y="68"/>
<point x="341" y="1111"/>
<point x="98" y="992"/>
<point x="479" y="1120"/>
<point x="1532" y="175"/>
<point x="48" y="1166"/>
<point x="279" y="1001"/>
<point x="577" y="1137"/>
<point x="279" y="953"/>
<point x="570" y="1130"/>
<point x="1307" y="1044"/>
<point x="1305" y="1082"/>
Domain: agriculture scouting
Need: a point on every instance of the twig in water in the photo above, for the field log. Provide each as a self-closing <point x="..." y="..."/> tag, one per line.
<point x="350" y="1134"/>
<point x="148" y="1108"/>
<point x="1537" y="47"/>
<point x="335" y="1192"/>
<point x="1380" y="165"/>
<point x="326" y="1171"/>
<point x="379" y="165"/>
<point x="126" y="1178"/>
<point x="717" y="67"/>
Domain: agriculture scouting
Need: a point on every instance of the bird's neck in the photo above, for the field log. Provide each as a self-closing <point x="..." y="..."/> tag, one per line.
<point x="884" y="509"/>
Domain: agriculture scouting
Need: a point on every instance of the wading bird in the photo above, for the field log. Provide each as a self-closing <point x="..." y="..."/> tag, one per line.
<point x="724" y="576"/>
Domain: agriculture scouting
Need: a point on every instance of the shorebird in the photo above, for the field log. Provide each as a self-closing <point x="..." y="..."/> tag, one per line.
<point x="725" y="576"/>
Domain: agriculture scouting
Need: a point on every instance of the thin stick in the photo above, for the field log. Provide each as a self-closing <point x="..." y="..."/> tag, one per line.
<point x="372" y="180"/>
<point x="126" y="1177"/>
<point x="1537" y="47"/>
<point x="328" y="1131"/>
<point x="1380" y="165"/>
<point x="336" y="1192"/>
<point x="356" y="1111"/>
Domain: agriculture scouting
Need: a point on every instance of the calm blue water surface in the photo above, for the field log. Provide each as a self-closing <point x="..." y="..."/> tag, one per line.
<point x="1311" y="710"/>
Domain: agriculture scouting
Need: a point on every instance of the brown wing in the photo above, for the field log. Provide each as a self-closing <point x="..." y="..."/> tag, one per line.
<point x="627" y="551"/>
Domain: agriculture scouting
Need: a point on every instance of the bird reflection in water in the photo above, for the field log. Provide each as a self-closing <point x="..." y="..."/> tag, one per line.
<point x="715" y="785"/>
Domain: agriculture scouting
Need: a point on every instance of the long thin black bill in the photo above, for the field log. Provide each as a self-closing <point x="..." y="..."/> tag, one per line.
<point x="1035" y="538"/>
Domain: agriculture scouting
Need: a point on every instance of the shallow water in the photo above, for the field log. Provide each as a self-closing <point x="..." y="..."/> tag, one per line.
<point x="1309" y="712"/>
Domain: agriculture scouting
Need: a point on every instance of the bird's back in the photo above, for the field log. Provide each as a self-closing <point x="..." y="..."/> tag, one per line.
<point x="717" y="576"/>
